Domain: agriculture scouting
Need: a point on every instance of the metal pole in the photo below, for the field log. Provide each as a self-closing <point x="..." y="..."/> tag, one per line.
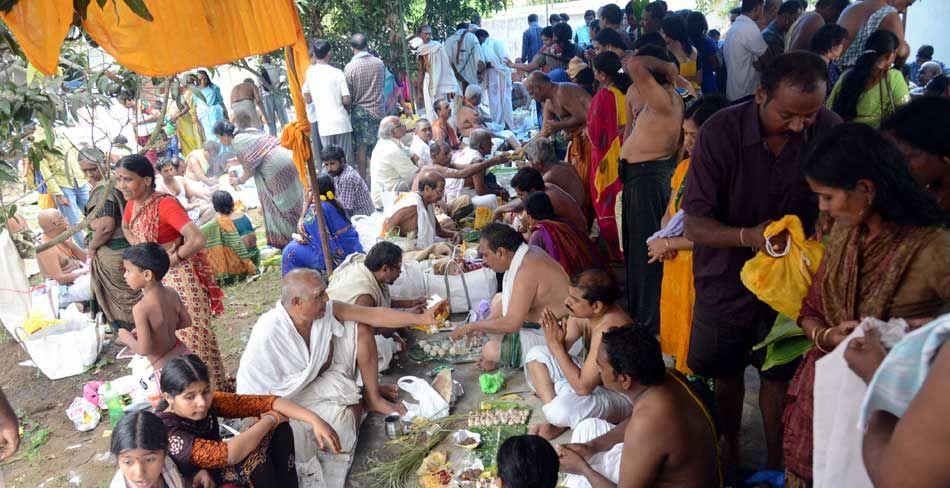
<point x="315" y="188"/>
<point x="405" y="56"/>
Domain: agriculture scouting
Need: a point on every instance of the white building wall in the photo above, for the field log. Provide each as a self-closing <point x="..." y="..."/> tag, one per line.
<point x="927" y="24"/>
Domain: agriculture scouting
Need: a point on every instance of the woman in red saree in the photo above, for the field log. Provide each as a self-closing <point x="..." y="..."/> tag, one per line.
<point x="572" y="250"/>
<point x="152" y="216"/>
<point x="887" y="257"/>
<point x="606" y="121"/>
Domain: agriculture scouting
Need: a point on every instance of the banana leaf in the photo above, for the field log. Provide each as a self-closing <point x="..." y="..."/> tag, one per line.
<point x="785" y="343"/>
<point x="783" y="328"/>
<point x="785" y="351"/>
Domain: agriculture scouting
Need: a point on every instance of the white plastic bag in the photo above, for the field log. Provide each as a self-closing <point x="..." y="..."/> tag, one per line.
<point x="368" y="228"/>
<point x="431" y="405"/>
<point x="65" y="349"/>
<point x="85" y="415"/>
<point x="411" y="283"/>
<point x="465" y="290"/>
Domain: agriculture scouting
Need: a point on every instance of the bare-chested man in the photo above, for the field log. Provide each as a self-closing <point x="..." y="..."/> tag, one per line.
<point x="647" y="161"/>
<point x="470" y="118"/>
<point x="457" y="176"/>
<point x="863" y="18"/>
<point x="528" y="180"/>
<point x="533" y="282"/>
<point x="565" y="109"/>
<point x="669" y="439"/>
<point x="800" y="34"/>
<point x="413" y="212"/>
<point x="568" y="384"/>
<point x="63" y="262"/>
<point x="245" y="97"/>
<point x="542" y="157"/>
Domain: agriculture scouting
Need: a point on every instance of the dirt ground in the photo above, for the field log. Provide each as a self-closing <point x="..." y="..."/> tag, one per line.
<point x="53" y="454"/>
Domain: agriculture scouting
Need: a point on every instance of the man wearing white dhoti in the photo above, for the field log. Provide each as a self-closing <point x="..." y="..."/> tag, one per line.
<point x="569" y="385"/>
<point x="414" y="212"/>
<point x="438" y="81"/>
<point x="392" y="166"/>
<point x="533" y="282"/>
<point x="364" y="279"/>
<point x="497" y="80"/>
<point x="465" y="54"/>
<point x="669" y="439"/>
<point x="304" y="349"/>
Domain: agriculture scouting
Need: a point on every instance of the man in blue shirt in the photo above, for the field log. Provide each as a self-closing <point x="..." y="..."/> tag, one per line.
<point x="531" y="39"/>
<point x="582" y="35"/>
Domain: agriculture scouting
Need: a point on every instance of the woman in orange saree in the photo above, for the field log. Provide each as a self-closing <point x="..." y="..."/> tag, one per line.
<point x="606" y="121"/>
<point x="676" y="251"/>
<point x="152" y="216"/>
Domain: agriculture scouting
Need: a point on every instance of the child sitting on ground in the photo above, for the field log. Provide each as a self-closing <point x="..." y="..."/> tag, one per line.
<point x="157" y="315"/>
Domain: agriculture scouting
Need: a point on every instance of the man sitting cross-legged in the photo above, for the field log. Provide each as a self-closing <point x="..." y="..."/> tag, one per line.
<point x="364" y="279"/>
<point x="669" y="439"/>
<point x="568" y="385"/>
<point x="533" y="282"/>
<point x="304" y="349"/>
<point x="413" y="212"/>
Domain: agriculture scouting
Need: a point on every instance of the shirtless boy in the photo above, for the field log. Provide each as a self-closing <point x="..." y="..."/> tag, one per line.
<point x="568" y="385"/>
<point x="533" y="282"/>
<point x="669" y="439"/>
<point x="647" y="161"/>
<point x="159" y="313"/>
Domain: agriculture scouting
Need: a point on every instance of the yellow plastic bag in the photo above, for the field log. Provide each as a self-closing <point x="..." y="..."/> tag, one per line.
<point x="782" y="280"/>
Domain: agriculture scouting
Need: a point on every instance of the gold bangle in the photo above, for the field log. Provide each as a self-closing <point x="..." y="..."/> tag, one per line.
<point x="819" y="337"/>
<point x="741" y="240"/>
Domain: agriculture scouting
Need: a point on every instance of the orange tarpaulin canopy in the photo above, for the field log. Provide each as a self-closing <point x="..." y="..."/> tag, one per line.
<point x="184" y="34"/>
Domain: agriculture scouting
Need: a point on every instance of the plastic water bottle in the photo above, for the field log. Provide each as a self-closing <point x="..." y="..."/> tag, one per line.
<point x="113" y="403"/>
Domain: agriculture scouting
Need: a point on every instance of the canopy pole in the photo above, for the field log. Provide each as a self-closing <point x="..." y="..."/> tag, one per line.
<point x="405" y="57"/>
<point x="315" y="188"/>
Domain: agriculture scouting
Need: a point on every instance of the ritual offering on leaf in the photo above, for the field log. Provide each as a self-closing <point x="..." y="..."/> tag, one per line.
<point x="495" y="424"/>
<point x="463" y="350"/>
<point x="497" y="416"/>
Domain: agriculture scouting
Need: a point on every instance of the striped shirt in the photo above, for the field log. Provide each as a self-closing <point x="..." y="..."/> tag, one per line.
<point x="352" y="192"/>
<point x="366" y="76"/>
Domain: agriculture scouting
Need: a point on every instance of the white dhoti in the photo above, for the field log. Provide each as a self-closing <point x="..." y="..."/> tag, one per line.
<point x="606" y="463"/>
<point x="499" y="97"/>
<point x="568" y="408"/>
<point x="277" y="361"/>
<point x="330" y="396"/>
<point x="80" y="290"/>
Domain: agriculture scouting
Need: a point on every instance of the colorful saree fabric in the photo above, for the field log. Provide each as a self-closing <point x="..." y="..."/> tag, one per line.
<point x="229" y="257"/>
<point x="278" y="184"/>
<point x="861" y="277"/>
<point x="677" y="293"/>
<point x="572" y="250"/>
<point x="606" y="121"/>
<point x="113" y="295"/>
<point x="343" y="241"/>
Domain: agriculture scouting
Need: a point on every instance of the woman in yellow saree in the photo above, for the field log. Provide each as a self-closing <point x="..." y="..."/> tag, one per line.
<point x="676" y="251"/>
